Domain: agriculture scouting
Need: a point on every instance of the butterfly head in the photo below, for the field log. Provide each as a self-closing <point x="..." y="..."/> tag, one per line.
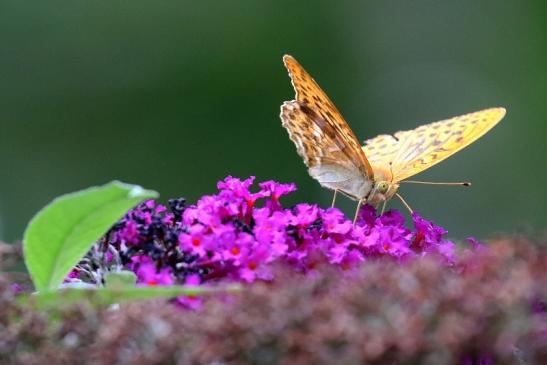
<point x="383" y="190"/>
<point x="384" y="187"/>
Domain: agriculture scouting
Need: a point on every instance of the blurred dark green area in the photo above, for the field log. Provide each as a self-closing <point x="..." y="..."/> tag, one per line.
<point x="175" y="95"/>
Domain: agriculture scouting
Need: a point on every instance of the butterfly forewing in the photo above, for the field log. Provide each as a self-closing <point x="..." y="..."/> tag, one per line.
<point x="323" y="139"/>
<point x="325" y="160"/>
<point x="309" y="95"/>
<point x="411" y="152"/>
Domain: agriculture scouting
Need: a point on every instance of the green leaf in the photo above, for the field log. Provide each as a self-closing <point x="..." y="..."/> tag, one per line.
<point x="64" y="230"/>
<point x="107" y="296"/>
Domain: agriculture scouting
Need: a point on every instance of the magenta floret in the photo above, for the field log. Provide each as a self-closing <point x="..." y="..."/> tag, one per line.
<point x="236" y="234"/>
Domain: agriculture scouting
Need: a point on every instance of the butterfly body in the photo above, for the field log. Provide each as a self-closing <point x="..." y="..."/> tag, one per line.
<point x="369" y="173"/>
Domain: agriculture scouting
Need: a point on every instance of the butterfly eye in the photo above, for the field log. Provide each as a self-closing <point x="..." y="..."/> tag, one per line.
<point x="383" y="187"/>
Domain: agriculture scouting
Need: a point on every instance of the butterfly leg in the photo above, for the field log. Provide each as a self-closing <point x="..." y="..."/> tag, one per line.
<point x="334" y="198"/>
<point x="383" y="207"/>
<point x="404" y="203"/>
<point x="357" y="211"/>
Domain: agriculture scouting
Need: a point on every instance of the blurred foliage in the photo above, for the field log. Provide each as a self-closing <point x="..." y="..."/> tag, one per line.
<point x="490" y="309"/>
<point x="176" y="95"/>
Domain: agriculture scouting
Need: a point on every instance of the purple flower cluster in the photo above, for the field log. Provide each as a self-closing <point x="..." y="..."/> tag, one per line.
<point x="237" y="234"/>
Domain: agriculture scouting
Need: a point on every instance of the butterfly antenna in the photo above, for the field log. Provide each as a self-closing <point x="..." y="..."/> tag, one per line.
<point x="404" y="203"/>
<point x="463" y="183"/>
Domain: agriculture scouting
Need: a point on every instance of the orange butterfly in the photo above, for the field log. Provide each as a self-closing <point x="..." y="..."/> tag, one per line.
<point x="371" y="173"/>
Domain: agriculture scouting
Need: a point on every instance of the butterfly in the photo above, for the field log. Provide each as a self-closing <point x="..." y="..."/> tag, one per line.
<point x="371" y="173"/>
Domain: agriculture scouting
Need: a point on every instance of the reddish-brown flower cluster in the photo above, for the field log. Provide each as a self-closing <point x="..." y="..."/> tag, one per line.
<point x="488" y="308"/>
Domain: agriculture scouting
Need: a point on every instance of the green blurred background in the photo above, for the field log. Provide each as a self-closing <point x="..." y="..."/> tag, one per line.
<point x="174" y="95"/>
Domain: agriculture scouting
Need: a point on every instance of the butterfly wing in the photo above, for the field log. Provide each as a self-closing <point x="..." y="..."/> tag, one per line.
<point x="411" y="152"/>
<point x="381" y="150"/>
<point x="322" y="137"/>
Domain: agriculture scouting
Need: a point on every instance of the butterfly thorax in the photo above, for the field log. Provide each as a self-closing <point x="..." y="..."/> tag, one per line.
<point x="384" y="186"/>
